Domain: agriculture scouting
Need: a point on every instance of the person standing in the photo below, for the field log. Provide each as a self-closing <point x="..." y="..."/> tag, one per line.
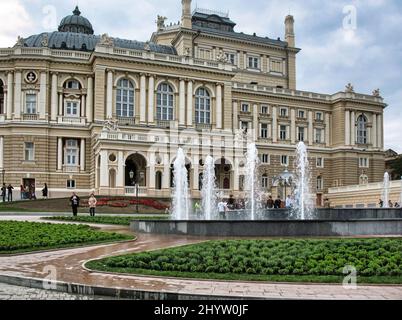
<point x="22" y="192"/>
<point x="3" y="192"/>
<point x="289" y="202"/>
<point x="92" y="205"/>
<point x="278" y="203"/>
<point x="45" y="191"/>
<point x="75" y="203"/>
<point x="222" y="208"/>
<point x="381" y="203"/>
<point x="10" y="189"/>
<point x="270" y="203"/>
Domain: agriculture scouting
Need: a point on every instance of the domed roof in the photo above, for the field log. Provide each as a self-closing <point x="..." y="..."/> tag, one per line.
<point x="76" y="23"/>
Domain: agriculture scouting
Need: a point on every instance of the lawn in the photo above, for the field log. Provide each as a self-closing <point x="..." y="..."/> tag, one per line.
<point x="299" y="260"/>
<point x="16" y="237"/>
<point x="124" y="221"/>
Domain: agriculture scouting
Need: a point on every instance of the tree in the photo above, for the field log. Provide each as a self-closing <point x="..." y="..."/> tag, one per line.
<point x="396" y="166"/>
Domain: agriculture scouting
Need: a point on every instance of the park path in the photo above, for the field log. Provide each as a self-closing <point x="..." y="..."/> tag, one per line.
<point x="68" y="265"/>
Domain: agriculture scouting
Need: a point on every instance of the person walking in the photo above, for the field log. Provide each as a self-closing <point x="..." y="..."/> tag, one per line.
<point x="92" y="205"/>
<point x="3" y="192"/>
<point x="22" y="192"/>
<point x="278" y="203"/>
<point x="10" y="189"/>
<point x="45" y="191"/>
<point x="270" y="203"/>
<point x="33" y="192"/>
<point x="75" y="203"/>
<point x="222" y="208"/>
<point x="289" y="202"/>
<point x="381" y="203"/>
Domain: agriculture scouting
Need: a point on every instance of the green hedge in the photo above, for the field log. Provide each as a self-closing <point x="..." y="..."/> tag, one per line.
<point x="18" y="236"/>
<point x="293" y="260"/>
<point x="125" y="221"/>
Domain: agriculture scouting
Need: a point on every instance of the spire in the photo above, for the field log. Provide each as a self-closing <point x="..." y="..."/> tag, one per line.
<point x="77" y="11"/>
<point x="289" y="30"/>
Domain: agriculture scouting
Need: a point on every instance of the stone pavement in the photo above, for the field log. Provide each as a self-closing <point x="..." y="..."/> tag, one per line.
<point x="68" y="268"/>
<point x="9" y="292"/>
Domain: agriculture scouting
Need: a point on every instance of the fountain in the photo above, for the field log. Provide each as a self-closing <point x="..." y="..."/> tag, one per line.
<point x="303" y="207"/>
<point x="181" y="197"/>
<point x="385" y="190"/>
<point x="251" y="181"/>
<point x="208" y="192"/>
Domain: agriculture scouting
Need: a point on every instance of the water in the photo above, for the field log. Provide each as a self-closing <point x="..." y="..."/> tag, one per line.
<point x="208" y="192"/>
<point x="303" y="206"/>
<point x="251" y="181"/>
<point x="385" y="190"/>
<point x="181" y="196"/>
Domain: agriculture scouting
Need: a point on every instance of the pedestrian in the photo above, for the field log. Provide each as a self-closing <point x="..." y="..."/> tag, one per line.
<point x="222" y="208"/>
<point x="33" y="192"/>
<point x="45" y="191"/>
<point x="270" y="203"/>
<point x="289" y="202"/>
<point x="22" y="192"/>
<point x="231" y="203"/>
<point x="10" y="189"/>
<point x="75" y="203"/>
<point x="397" y="205"/>
<point x="390" y="204"/>
<point x="381" y="203"/>
<point x="197" y="208"/>
<point x="3" y="192"/>
<point x="92" y="205"/>
<point x="278" y="203"/>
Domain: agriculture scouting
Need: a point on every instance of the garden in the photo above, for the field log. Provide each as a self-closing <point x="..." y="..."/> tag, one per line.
<point x="299" y="260"/>
<point x="116" y="220"/>
<point x="17" y="237"/>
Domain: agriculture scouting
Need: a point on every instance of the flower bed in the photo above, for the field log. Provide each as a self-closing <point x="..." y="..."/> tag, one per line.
<point x="124" y="203"/>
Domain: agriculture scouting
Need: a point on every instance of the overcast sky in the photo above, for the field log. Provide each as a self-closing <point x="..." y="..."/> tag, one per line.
<point x="357" y="41"/>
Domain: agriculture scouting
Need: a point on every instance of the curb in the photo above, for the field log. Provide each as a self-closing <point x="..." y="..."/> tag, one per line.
<point x="119" y="293"/>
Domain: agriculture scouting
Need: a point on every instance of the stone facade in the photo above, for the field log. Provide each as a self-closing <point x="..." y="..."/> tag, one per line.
<point x="112" y="118"/>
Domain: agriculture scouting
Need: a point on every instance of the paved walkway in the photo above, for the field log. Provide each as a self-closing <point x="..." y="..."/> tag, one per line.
<point x="68" y="268"/>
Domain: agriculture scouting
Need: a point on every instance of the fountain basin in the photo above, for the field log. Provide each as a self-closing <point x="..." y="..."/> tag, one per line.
<point x="339" y="222"/>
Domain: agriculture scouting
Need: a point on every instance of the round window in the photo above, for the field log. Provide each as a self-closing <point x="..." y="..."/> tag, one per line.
<point x="112" y="157"/>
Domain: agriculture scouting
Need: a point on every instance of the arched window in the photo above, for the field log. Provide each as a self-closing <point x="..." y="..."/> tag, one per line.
<point x="202" y="106"/>
<point x="72" y="84"/>
<point x="1" y="97"/>
<point x="125" y="99"/>
<point x="164" y="102"/>
<point x="362" y="130"/>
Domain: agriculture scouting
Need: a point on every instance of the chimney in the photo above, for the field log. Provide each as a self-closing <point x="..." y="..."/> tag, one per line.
<point x="186" y="15"/>
<point x="290" y="31"/>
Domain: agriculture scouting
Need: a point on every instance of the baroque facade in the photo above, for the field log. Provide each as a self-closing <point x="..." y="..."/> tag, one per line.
<point x="83" y="112"/>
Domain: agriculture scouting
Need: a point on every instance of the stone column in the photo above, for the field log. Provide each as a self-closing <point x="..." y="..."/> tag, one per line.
<point x="151" y="94"/>
<point x="190" y="103"/>
<point x="10" y="79"/>
<point x="104" y="170"/>
<point x="235" y="122"/>
<point x="310" y="128"/>
<point x="219" y="106"/>
<point x="380" y="132"/>
<point x="53" y="98"/>
<point x="274" y="125"/>
<point x="42" y="96"/>
<point x="293" y="126"/>
<point x="82" y="155"/>
<point x="182" y="103"/>
<point x="1" y="152"/>
<point x="256" y="127"/>
<point x="151" y="157"/>
<point x="374" y="131"/>
<point x="166" y="172"/>
<point x="17" y="95"/>
<point x="352" y="129"/>
<point x="61" y="106"/>
<point x="143" y="99"/>
<point x="347" y="127"/>
<point x="90" y="100"/>
<point x="59" y="154"/>
<point x="327" y="131"/>
<point x="109" y="95"/>
<point x="83" y="104"/>
<point x="120" y="170"/>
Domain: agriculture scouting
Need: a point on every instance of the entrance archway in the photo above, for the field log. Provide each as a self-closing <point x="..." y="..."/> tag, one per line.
<point x="135" y="172"/>
<point x="188" y="167"/>
<point x="223" y="173"/>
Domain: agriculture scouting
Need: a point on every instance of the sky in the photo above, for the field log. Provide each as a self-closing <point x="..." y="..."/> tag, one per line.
<point x="342" y="41"/>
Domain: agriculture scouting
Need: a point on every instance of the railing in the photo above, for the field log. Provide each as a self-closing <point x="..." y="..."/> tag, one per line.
<point x="68" y="168"/>
<point x="166" y="124"/>
<point x="30" y="116"/>
<point x="397" y="184"/>
<point x="142" y="191"/>
<point x="203" y="126"/>
<point x="126" y="121"/>
<point x="71" y="120"/>
<point x="46" y="52"/>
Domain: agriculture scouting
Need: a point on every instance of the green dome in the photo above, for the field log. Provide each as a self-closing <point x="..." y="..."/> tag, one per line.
<point x="76" y="23"/>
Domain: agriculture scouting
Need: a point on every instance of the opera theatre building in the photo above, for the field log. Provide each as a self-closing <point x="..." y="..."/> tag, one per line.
<point x="84" y="112"/>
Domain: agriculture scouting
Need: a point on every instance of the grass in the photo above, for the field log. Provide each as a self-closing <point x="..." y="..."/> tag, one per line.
<point x="320" y="261"/>
<point x="124" y="221"/>
<point x="17" y="237"/>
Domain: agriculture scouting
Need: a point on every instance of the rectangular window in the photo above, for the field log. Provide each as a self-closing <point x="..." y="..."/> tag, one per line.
<point x="276" y="66"/>
<point x="253" y="62"/>
<point x="302" y="114"/>
<point x="318" y="116"/>
<point x="363" y="162"/>
<point x="264" y="109"/>
<point x="265" y="158"/>
<point x="71" y="152"/>
<point x="283" y="112"/>
<point x="264" y="181"/>
<point x="205" y="54"/>
<point x="320" y="184"/>
<point x="245" y="107"/>
<point x="318" y="135"/>
<point x="70" y="184"/>
<point x="284" y="160"/>
<point x="282" y="133"/>
<point x="320" y="162"/>
<point x="29" y="151"/>
<point x="244" y="126"/>
<point x="72" y="109"/>
<point x="231" y="57"/>
<point x="30" y="103"/>
<point x="264" y="130"/>
<point x="300" y="134"/>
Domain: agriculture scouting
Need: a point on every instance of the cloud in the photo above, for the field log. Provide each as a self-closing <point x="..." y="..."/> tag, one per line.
<point x="15" y="19"/>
